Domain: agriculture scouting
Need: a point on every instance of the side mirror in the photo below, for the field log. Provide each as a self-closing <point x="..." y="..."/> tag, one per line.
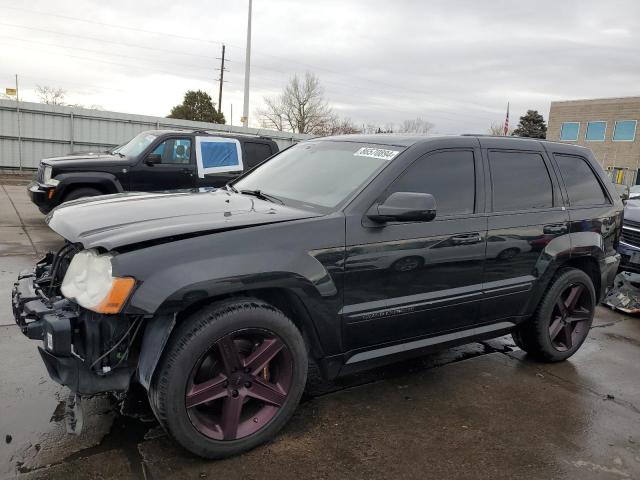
<point x="153" y="159"/>
<point x="404" y="207"/>
<point x="623" y="191"/>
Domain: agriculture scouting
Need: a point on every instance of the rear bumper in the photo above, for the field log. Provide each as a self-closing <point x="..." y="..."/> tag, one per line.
<point x="65" y="330"/>
<point x="43" y="196"/>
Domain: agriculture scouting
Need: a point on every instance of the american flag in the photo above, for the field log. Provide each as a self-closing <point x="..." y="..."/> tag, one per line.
<point x="505" y="130"/>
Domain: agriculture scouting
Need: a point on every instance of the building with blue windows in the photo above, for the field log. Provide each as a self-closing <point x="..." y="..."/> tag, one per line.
<point x="608" y="126"/>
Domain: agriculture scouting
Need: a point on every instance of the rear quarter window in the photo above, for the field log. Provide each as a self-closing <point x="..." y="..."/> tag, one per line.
<point x="256" y="153"/>
<point x="582" y="185"/>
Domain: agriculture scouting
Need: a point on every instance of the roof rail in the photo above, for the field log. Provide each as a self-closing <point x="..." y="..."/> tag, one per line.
<point x="227" y="132"/>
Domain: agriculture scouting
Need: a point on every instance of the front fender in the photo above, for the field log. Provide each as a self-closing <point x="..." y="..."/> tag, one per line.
<point x="302" y="257"/>
<point x="104" y="181"/>
<point x="178" y="286"/>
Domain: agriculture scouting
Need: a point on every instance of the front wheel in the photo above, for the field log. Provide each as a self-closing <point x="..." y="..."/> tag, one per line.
<point x="563" y="319"/>
<point x="230" y="378"/>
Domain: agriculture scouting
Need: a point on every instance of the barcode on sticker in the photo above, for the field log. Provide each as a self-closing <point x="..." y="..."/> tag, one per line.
<point x="380" y="153"/>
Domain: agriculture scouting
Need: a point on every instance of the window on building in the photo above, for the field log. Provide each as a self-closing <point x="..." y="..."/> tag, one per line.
<point x="596" y="131"/>
<point x="582" y="185"/>
<point x="520" y="181"/>
<point x="625" y="131"/>
<point x="569" y="131"/>
<point x="449" y="176"/>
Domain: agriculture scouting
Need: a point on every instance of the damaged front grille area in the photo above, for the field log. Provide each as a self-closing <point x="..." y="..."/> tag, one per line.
<point x="37" y="291"/>
<point x="86" y="351"/>
<point x="631" y="234"/>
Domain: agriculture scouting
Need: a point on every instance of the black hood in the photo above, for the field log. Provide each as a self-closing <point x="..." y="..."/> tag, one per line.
<point x="81" y="159"/>
<point x="123" y="219"/>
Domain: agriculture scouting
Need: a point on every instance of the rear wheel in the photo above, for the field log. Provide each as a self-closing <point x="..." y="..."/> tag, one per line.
<point x="82" y="193"/>
<point x="563" y="319"/>
<point x="231" y="377"/>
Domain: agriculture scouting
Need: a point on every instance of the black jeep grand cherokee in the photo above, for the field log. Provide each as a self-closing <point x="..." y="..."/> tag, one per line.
<point x="346" y="251"/>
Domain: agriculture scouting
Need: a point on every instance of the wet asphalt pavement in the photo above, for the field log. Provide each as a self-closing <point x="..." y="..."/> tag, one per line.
<point x="479" y="411"/>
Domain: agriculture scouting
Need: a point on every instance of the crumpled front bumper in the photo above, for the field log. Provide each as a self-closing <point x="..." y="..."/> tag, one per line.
<point x="57" y="324"/>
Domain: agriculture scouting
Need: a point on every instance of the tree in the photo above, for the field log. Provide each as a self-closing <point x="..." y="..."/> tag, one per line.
<point x="417" y="125"/>
<point x="300" y="108"/>
<point x="531" y="125"/>
<point x="50" y="95"/>
<point x="339" y="126"/>
<point x="497" y="128"/>
<point x="198" y="106"/>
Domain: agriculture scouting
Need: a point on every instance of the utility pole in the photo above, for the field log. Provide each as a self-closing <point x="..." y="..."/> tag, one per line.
<point x="19" y="129"/>
<point x="221" y="81"/>
<point x="231" y="119"/>
<point x="247" y="71"/>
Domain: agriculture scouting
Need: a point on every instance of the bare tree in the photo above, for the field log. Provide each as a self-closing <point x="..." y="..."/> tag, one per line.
<point x="339" y="126"/>
<point x="497" y="128"/>
<point x="300" y="108"/>
<point x="417" y="125"/>
<point x="50" y="95"/>
<point x="378" y="128"/>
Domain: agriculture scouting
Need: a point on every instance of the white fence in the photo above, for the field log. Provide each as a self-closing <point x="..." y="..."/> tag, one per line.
<point x="52" y="130"/>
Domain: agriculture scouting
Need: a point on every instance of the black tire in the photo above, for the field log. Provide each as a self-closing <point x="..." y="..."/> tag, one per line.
<point x="189" y="343"/>
<point x="534" y="336"/>
<point x="81" y="193"/>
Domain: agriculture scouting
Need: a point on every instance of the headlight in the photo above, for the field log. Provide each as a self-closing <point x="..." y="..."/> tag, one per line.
<point x="46" y="177"/>
<point x="90" y="283"/>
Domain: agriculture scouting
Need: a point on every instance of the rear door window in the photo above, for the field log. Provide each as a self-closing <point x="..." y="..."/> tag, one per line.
<point x="582" y="185"/>
<point x="520" y="181"/>
<point x="255" y="153"/>
<point x="218" y="155"/>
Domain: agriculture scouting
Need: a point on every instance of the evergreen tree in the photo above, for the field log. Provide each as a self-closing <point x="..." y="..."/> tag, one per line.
<point x="531" y="125"/>
<point x="197" y="106"/>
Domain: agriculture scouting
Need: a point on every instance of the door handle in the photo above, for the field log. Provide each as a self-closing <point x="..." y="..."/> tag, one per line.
<point x="467" y="238"/>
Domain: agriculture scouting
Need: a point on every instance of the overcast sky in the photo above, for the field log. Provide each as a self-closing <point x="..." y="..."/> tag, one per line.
<point x="454" y="63"/>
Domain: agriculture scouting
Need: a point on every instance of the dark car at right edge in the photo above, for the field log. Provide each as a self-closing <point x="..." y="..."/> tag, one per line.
<point x="347" y="252"/>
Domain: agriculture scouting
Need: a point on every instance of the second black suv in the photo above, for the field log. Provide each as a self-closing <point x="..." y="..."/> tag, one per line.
<point x="346" y="251"/>
<point x="151" y="161"/>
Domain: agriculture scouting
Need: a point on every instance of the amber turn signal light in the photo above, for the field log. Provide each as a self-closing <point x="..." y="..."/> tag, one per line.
<point x="121" y="288"/>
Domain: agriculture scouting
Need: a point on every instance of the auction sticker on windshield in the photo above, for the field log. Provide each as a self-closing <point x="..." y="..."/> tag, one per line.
<point x="380" y="153"/>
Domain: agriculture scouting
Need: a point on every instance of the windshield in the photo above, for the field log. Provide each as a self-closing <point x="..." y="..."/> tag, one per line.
<point x="322" y="173"/>
<point x="136" y="145"/>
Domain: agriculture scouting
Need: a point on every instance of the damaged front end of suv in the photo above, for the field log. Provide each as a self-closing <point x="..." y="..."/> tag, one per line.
<point x="72" y="303"/>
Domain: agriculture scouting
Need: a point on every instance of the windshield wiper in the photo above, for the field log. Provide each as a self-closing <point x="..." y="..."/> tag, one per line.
<point x="261" y="195"/>
<point x="228" y="187"/>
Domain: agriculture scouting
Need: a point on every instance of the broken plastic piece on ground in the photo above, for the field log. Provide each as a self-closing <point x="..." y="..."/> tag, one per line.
<point x="625" y="293"/>
<point x="74" y="415"/>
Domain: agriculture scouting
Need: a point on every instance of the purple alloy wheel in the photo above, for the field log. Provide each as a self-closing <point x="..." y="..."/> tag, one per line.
<point x="239" y="385"/>
<point x="570" y="319"/>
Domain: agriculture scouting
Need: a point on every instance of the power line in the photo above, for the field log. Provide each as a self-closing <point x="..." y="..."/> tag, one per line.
<point x="132" y="57"/>
<point x="112" y="25"/>
<point x="314" y="67"/>
<point x="101" y="40"/>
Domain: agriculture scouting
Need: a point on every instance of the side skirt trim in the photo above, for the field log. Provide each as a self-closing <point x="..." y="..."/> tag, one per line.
<point x="427" y="342"/>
